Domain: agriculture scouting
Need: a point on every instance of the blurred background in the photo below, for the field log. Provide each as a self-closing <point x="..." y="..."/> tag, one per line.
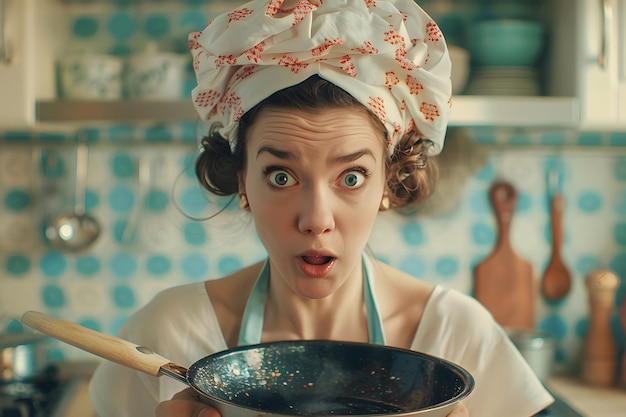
<point x="539" y="103"/>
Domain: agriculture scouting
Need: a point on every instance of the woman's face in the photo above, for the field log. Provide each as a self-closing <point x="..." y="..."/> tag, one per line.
<point x="314" y="183"/>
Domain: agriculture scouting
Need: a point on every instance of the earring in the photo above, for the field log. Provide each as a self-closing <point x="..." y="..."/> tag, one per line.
<point x="243" y="202"/>
<point x="384" y="203"/>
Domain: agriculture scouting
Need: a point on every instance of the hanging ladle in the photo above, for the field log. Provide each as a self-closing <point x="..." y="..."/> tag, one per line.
<point x="76" y="230"/>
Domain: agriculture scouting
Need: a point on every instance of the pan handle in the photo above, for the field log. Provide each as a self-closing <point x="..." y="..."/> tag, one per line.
<point x="108" y="347"/>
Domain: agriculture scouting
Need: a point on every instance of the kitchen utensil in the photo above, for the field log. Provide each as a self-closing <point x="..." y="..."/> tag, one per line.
<point x="556" y="280"/>
<point x="599" y="364"/>
<point x="292" y="377"/>
<point x="537" y="348"/>
<point x="622" y="319"/>
<point x="503" y="282"/>
<point x="20" y="356"/>
<point x="143" y="180"/>
<point x="76" y="230"/>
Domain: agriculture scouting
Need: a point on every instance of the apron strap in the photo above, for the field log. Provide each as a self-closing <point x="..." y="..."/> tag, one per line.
<point x="253" y="315"/>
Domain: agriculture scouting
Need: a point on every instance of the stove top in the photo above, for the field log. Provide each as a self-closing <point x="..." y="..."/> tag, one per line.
<point x="34" y="397"/>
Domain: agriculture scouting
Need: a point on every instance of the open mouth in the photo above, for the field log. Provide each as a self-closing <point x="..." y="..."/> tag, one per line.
<point x="317" y="260"/>
<point x="316" y="266"/>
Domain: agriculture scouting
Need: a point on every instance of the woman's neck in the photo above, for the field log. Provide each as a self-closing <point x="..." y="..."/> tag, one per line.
<point x="341" y="315"/>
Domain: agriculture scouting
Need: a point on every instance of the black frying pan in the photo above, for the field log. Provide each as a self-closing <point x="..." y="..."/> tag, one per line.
<point x="290" y="378"/>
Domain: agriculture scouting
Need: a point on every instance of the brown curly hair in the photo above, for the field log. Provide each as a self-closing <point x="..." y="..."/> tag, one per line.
<point x="411" y="173"/>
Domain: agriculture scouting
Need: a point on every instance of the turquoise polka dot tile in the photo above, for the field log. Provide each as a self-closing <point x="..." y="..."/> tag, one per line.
<point x="121" y="26"/>
<point x="229" y="264"/>
<point x="123" y="296"/>
<point x="195" y="267"/>
<point x="102" y="286"/>
<point x="158" y="265"/>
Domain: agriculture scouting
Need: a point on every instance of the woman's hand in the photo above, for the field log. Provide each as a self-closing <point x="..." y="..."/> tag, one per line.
<point x="459" y="411"/>
<point x="187" y="404"/>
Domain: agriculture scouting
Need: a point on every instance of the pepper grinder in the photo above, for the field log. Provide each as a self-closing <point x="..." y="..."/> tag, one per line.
<point x="599" y="365"/>
<point x="622" y="317"/>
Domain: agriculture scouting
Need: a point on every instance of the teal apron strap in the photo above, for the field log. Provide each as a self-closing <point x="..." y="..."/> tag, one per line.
<point x="253" y="315"/>
<point x="374" y="321"/>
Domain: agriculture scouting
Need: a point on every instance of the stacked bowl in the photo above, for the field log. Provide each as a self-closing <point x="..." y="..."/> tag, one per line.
<point x="505" y="57"/>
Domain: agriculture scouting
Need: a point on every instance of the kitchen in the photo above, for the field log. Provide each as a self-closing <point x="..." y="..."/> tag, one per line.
<point x="140" y="187"/>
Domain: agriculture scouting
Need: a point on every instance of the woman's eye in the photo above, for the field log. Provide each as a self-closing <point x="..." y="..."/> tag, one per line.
<point x="280" y="179"/>
<point x="353" y="179"/>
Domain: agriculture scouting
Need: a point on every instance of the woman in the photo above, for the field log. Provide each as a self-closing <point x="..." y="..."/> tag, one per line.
<point x="324" y="114"/>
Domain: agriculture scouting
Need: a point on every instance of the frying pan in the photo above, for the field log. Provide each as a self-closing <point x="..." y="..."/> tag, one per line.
<point x="305" y="378"/>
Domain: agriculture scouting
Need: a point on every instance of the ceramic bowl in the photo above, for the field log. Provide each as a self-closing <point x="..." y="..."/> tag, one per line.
<point x="91" y="77"/>
<point x="506" y="42"/>
<point x="156" y="76"/>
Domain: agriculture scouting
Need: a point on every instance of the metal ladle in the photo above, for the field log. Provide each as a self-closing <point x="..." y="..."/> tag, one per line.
<point x="76" y="230"/>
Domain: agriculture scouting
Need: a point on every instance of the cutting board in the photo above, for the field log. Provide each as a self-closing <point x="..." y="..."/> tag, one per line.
<point x="504" y="281"/>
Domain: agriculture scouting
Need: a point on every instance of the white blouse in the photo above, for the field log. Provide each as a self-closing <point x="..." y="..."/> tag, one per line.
<point x="180" y="324"/>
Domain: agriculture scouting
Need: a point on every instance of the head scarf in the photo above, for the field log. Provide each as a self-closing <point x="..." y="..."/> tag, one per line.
<point x="389" y="55"/>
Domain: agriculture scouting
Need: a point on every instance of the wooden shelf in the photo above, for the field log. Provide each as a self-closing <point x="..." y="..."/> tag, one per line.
<point x="467" y="111"/>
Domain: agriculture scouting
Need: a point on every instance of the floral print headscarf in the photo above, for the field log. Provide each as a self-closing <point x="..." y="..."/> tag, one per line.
<point x="389" y="54"/>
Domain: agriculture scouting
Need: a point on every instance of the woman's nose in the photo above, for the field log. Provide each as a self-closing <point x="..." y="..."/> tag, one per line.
<point x="316" y="213"/>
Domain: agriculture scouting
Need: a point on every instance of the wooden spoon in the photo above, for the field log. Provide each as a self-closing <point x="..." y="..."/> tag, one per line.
<point x="556" y="280"/>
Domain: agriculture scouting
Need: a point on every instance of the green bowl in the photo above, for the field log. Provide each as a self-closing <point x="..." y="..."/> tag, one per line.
<point x="506" y="42"/>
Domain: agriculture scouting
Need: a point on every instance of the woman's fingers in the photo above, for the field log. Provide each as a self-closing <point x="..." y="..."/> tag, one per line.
<point x="185" y="403"/>
<point x="459" y="411"/>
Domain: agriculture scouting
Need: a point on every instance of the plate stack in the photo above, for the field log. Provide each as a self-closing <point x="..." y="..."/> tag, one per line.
<point x="504" y="81"/>
<point x="505" y="55"/>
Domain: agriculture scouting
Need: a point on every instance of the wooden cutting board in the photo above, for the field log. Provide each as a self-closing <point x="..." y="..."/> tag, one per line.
<point x="504" y="281"/>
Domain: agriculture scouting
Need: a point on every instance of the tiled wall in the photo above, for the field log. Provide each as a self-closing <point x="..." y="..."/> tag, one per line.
<point x="103" y="285"/>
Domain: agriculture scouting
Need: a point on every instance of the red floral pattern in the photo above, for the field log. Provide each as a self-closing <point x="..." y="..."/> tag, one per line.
<point x="347" y="65"/>
<point x="429" y="110"/>
<point x="302" y="10"/>
<point x="328" y="43"/>
<point x="239" y="15"/>
<point x="377" y="106"/>
<point x="414" y="85"/>
<point x="255" y="53"/>
<point x="433" y="32"/>
<point x="391" y="79"/>
<point x="207" y="98"/>
<point x="294" y="64"/>
<point x="366" y="49"/>
<point x="225" y="60"/>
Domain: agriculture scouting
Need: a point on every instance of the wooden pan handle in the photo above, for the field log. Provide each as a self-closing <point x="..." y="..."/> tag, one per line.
<point x="108" y="347"/>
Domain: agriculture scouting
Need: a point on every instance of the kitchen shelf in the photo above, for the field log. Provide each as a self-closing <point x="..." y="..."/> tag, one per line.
<point x="467" y="111"/>
<point x="515" y="111"/>
<point x="116" y="111"/>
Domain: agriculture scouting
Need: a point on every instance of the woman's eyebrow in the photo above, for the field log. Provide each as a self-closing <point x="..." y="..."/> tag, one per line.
<point x="276" y="152"/>
<point x="281" y="154"/>
<point x="351" y="157"/>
